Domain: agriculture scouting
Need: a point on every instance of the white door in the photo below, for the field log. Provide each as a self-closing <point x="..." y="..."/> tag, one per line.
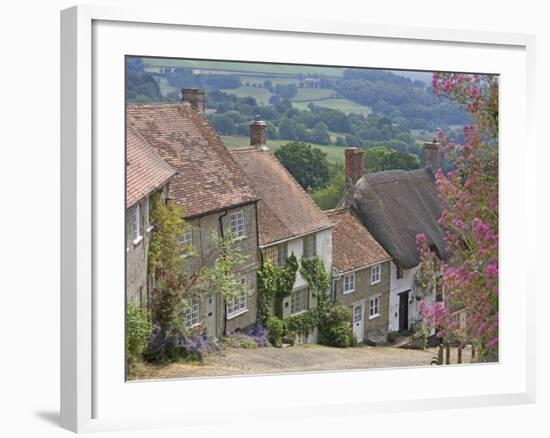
<point x="359" y="321"/>
<point x="211" y="325"/>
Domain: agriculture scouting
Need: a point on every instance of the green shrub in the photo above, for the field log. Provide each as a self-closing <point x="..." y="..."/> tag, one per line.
<point x="276" y="330"/>
<point x="138" y="330"/>
<point x="335" y="327"/>
<point x="247" y="343"/>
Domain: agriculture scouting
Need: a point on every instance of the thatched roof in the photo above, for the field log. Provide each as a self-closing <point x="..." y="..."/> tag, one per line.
<point x="396" y="206"/>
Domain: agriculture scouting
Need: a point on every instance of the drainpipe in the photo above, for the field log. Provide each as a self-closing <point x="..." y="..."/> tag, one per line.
<point x="335" y="278"/>
<point x="220" y="219"/>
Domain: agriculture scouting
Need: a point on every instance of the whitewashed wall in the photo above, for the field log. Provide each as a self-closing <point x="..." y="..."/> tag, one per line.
<point x="323" y="242"/>
<point x="398" y="285"/>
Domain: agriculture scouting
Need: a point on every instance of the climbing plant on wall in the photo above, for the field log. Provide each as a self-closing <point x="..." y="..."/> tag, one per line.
<point x="275" y="283"/>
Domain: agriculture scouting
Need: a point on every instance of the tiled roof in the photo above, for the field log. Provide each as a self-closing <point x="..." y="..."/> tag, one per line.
<point x="396" y="206"/>
<point x="145" y="170"/>
<point x="285" y="210"/>
<point x="353" y="247"/>
<point x="208" y="179"/>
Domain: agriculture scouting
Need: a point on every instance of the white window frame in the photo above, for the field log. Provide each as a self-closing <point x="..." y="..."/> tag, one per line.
<point x="191" y="315"/>
<point x="136" y="224"/>
<point x="374" y="306"/>
<point x="348" y="278"/>
<point x="237" y="227"/>
<point x="293" y="295"/>
<point x="186" y="241"/>
<point x="239" y="305"/>
<point x="376" y="274"/>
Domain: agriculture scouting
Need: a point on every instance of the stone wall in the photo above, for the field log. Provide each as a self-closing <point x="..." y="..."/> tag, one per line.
<point x="376" y="329"/>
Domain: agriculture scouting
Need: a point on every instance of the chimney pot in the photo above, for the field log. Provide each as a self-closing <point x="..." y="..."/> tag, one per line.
<point x="354" y="165"/>
<point x="195" y="97"/>
<point x="258" y="133"/>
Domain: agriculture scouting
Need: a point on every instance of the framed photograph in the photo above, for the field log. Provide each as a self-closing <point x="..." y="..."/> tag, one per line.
<point x="337" y="211"/>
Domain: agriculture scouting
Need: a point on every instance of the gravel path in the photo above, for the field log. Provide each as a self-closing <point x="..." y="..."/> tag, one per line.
<point x="300" y="358"/>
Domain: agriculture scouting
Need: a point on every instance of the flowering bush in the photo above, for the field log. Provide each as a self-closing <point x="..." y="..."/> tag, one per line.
<point x="171" y="346"/>
<point x="469" y="193"/>
<point x="254" y="337"/>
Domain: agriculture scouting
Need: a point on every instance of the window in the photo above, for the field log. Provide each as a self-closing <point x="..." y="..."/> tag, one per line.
<point x="282" y="250"/>
<point x="299" y="301"/>
<point x="271" y="254"/>
<point x="191" y="312"/>
<point x="398" y="271"/>
<point x="136" y="223"/>
<point x="277" y="254"/>
<point x="238" y="305"/>
<point x="374" y="306"/>
<point x="309" y="246"/>
<point x="236" y="224"/>
<point x="375" y="274"/>
<point x="186" y="242"/>
<point x="349" y="283"/>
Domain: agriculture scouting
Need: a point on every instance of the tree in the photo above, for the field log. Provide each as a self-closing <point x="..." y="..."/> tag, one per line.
<point x="329" y="196"/>
<point x="380" y="158"/>
<point x="469" y="193"/>
<point x="320" y="134"/>
<point x="308" y="165"/>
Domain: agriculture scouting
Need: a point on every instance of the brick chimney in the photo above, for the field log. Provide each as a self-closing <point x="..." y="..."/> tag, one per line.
<point x="257" y="133"/>
<point x="195" y="97"/>
<point x="430" y="155"/>
<point x="355" y="167"/>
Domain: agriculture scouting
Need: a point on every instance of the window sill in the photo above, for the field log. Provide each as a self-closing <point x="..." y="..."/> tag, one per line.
<point x="348" y="292"/>
<point x="237" y="313"/>
<point x="150" y="228"/>
<point x="138" y="240"/>
<point x="239" y="238"/>
<point x="372" y="283"/>
<point x="299" y="313"/>
<point x="375" y="316"/>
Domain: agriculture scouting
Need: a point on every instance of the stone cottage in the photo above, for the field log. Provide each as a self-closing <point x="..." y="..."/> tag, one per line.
<point x="146" y="174"/>
<point x="361" y="275"/>
<point x="289" y="222"/>
<point x="395" y="206"/>
<point x="216" y="197"/>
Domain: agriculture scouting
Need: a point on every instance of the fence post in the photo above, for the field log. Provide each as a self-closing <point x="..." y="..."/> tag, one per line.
<point x="448" y="353"/>
<point x="459" y="354"/>
<point x="473" y="352"/>
<point x="440" y="354"/>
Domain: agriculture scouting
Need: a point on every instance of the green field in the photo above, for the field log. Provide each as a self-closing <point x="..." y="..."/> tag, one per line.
<point x="335" y="154"/>
<point x="245" y="67"/>
<point x="259" y="80"/>
<point x="261" y="95"/>
<point x="309" y="94"/>
<point x="344" y="105"/>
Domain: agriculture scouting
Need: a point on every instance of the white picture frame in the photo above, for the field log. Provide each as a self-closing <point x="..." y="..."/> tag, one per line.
<point x="94" y="395"/>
